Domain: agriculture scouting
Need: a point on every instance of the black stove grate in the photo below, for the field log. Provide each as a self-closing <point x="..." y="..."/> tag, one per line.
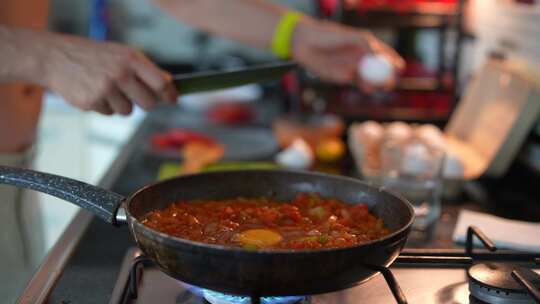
<point x="140" y="262"/>
<point x="417" y="258"/>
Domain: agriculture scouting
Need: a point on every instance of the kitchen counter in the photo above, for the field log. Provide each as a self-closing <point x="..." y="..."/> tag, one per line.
<point x="84" y="264"/>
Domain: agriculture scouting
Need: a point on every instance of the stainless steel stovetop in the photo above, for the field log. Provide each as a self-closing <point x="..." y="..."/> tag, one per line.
<point x="422" y="283"/>
<point x="420" y="286"/>
<point x="421" y="276"/>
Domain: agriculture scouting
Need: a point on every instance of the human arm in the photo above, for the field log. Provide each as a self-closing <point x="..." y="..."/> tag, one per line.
<point x="103" y="77"/>
<point x="330" y="50"/>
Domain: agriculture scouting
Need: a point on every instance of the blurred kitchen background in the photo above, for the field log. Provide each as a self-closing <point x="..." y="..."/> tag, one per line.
<point x="444" y="43"/>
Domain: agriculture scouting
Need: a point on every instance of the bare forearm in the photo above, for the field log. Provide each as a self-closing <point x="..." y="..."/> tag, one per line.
<point x="103" y="77"/>
<point x="22" y="55"/>
<point x="249" y="21"/>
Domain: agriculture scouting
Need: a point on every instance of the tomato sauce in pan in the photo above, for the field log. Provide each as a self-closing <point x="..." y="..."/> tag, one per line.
<point x="307" y="222"/>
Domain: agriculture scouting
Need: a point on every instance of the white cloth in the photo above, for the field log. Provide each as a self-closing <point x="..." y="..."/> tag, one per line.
<point x="505" y="233"/>
<point x="21" y="233"/>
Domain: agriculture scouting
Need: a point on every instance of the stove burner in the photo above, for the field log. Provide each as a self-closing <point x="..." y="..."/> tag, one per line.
<point x="493" y="283"/>
<point x="489" y="283"/>
<point x="215" y="297"/>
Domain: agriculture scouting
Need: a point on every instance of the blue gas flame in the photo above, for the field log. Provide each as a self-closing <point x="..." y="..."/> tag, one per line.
<point x="215" y="297"/>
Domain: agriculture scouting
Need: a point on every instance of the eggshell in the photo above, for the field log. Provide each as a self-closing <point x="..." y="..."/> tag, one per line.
<point x="431" y="135"/>
<point x="375" y="69"/>
<point x="371" y="131"/>
<point x="297" y="156"/>
<point x="398" y="131"/>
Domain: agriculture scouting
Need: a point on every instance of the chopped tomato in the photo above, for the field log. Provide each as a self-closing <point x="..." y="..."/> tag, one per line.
<point x="359" y="212"/>
<point x="291" y="212"/>
<point x="230" y="114"/>
<point x="307" y="222"/>
<point x="161" y="141"/>
<point x="177" y="138"/>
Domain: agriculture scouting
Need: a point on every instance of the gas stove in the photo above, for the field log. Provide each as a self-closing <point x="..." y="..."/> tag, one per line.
<point x="423" y="276"/>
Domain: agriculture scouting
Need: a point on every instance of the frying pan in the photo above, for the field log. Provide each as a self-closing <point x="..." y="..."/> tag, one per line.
<point x="235" y="270"/>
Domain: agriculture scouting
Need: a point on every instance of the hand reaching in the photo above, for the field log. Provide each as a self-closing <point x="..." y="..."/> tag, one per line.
<point x="333" y="51"/>
<point x="104" y="77"/>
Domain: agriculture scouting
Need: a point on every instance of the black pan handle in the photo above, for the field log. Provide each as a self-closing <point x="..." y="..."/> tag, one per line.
<point x="101" y="202"/>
